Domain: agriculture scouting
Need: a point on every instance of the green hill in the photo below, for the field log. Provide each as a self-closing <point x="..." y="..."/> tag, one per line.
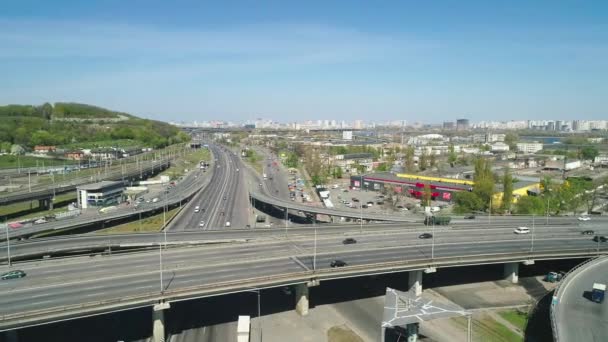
<point x="74" y="124"/>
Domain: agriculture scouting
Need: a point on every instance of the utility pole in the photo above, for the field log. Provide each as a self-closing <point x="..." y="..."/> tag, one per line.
<point x="8" y="244"/>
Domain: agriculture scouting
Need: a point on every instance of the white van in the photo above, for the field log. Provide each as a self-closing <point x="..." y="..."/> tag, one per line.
<point x="522" y="230"/>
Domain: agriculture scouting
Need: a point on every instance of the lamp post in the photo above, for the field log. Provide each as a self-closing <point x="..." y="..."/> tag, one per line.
<point x="533" y="225"/>
<point x="314" y="255"/>
<point x="160" y="255"/>
<point x="8" y="244"/>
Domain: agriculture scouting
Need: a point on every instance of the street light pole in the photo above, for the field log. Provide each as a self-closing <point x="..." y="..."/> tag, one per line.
<point x="160" y="254"/>
<point x="533" y="225"/>
<point x="8" y="244"/>
<point x="314" y="257"/>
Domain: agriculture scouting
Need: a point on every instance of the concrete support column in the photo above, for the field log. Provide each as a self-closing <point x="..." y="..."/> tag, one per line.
<point x="11" y="336"/>
<point x="302" y="299"/>
<point x="412" y="332"/>
<point x="158" y="322"/>
<point x="414" y="282"/>
<point x="512" y="272"/>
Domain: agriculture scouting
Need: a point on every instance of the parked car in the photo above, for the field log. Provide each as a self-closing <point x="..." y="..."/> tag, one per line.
<point x="587" y="232"/>
<point x="13" y="275"/>
<point x="349" y="241"/>
<point x="521" y="230"/>
<point x="337" y="263"/>
<point x="425" y="236"/>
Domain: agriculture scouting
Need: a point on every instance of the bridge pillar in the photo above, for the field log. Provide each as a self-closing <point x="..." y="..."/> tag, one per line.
<point x="414" y="282"/>
<point x="302" y="299"/>
<point x="512" y="272"/>
<point x="11" y="336"/>
<point x="158" y="322"/>
<point x="46" y="203"/>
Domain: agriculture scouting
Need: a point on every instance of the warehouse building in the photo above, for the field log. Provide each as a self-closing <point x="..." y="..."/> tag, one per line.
<point x="99" y="194"/>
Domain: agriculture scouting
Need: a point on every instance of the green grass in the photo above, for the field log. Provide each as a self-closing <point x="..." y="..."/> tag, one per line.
<point x="148" y="224"/>
<point x="187" y="162"/>
<point x="486" y="329"/>
<point x="9" y="161"/>
<point x="16" y="208"/>
<point x="255" y="161"/>
<point x="342" y="334"/>
<point x="515" y="317"/>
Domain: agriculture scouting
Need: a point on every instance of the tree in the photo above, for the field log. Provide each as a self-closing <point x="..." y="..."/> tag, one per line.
<point x="427" y="196"/>
<point x="292" y="160"/>
<point x="466" y="202"/>
<point x="484" y="181"/>
<point x="432" y="160"/>
<point x="511" y="140"/>
<point x="530" y="205"/>
<point x="507" y="192"/>
<point x="589" y="152"/>
<point x="409" y="158"/>
<point x="337" y="172"/>
<point x="452" y="157"/>
<point x="423" y="161"/>
<point x="383" y="167"/>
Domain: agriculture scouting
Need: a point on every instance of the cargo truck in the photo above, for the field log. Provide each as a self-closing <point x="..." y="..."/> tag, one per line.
<point x="597" y="294"/>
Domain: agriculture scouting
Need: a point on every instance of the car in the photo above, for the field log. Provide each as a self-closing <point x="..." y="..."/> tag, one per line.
<point x="16" y="274"/>
<point x="521" y="230"/>
<point x="337" y="263"/>
<point x="599" y="238"/>
<point x="364" y="206"/>
<point x="349" y="241"/>
<point x="370" y="203"/>
<point x="425" y="236"/>
<point x="227" y="223"/>
<point x="584" y="218"/>
<point x="470" y="217"/>
<point x="224" y="198"/>
<point x="202" y="224"/>
<point x="355" y="199"/>
<point x="587" y="232"/>
<point x="237" y="170"/>
<point x="197" y="209"/>
<point x="39" y="221"/>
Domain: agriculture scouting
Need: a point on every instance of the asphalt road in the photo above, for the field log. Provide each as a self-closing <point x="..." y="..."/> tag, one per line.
<point x="578" y="318"/>
<point x="223" y="200"/>
<point x="54" y="284"/>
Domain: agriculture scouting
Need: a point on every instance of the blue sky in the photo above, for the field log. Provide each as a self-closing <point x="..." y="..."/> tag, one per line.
<point x="424" y="61"/>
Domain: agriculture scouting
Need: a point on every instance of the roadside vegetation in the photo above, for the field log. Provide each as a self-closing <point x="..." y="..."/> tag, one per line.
<point x="147" y="224"/>
<point x="484" y="328"/>
<point x="516" y="317"/>
<point x="190" y="160"/>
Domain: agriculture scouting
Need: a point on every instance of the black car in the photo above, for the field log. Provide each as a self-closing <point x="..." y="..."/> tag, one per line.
<point x="349" y="241"/>
<point x="425" y="236"/>
<point x="599" y="238"/>
<point x="587" y="232"/>
<point x="470" y="217"/>
<point x="337" y="263"/>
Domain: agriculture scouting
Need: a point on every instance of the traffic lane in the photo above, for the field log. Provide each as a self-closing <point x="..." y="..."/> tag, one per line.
<point x="580" y="319"/>
<point x="425" y="252"/>
<point x="110" y="288"/>
<point x="47" y="272"/>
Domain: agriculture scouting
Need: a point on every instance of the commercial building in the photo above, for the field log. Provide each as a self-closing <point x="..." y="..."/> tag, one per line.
<point x="529" y="147"/>
<point x="462" y="124"/>
<point x="347" y="135"/>
<point x="99" y="194"/>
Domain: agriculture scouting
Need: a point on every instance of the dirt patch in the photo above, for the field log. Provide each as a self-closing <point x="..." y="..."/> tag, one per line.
<point x="342" y="334"/>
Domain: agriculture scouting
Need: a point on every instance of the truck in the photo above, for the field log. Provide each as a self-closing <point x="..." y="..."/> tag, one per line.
<point x="597" y="293"/>
<point x="437" y="220"/>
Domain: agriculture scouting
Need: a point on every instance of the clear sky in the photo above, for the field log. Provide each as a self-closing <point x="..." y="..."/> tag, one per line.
<point x="294" y="60"/>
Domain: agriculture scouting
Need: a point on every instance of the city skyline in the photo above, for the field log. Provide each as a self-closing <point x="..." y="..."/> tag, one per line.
<point x="399" y="61"/>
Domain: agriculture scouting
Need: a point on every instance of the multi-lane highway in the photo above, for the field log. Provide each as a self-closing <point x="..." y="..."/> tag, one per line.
<point x="57" y="289"/>
<point x="222" y="202"/>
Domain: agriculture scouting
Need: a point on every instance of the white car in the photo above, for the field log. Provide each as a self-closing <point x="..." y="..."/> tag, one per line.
<point x="584" y="218"/>
<point x="202" y="224"/>
<point x="227" y="223"/>
<point x="521" y="230"/>
<point x="197" y="209"/>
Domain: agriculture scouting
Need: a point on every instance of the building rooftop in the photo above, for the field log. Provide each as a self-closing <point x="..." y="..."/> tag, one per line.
<point x="99" y="185"/>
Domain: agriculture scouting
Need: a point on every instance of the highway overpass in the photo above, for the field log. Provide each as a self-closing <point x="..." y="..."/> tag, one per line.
<point x="68" y="288"/>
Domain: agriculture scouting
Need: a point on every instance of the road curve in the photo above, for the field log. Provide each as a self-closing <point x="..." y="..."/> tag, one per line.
<point x="574" y="316"/>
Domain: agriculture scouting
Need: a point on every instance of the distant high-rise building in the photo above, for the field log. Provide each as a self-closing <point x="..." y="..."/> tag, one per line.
<point x="462" y="124"/>
<point x="448" y="125"/>
<point x="358" y="124"/>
